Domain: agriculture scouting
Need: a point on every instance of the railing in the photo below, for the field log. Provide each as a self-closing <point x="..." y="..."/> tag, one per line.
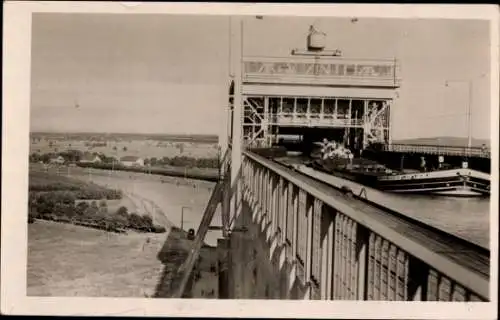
<point x="344" y="249"/>
<point x="311" y="119"/>
<point x="321" y="71"/>
<point x="439" y="150"/>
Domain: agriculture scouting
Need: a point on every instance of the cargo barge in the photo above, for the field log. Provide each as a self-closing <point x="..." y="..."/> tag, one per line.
<point x="464" y="182"/>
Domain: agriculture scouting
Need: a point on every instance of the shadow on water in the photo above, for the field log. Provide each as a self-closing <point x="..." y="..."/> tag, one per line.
<point x="172" y="255"/>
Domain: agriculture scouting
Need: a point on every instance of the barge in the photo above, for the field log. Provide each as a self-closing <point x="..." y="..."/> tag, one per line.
<point x="460" y="182"/>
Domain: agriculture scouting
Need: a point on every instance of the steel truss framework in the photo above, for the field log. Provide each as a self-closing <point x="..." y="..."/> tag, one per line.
<point x="263" y="116"/>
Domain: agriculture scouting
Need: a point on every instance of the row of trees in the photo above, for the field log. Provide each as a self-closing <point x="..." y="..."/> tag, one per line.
<point x="61" y="206"/>
<point x="77" y="192"/>
<point x="177" y="161"/>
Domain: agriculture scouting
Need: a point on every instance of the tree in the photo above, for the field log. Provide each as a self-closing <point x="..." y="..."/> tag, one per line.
<point x="122" y="211"/>
<point x="81" y="208"/>
<point x="103" y="206"/>
<point x="93" y="209"/>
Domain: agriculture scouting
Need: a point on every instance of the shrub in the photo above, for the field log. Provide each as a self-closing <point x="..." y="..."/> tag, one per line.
<point x="122" y="211"/>
<point x="81" y="208"/>
<point x="158" y="229"/>
<point x="135" y="221"/>
<point x="147" y="221"/>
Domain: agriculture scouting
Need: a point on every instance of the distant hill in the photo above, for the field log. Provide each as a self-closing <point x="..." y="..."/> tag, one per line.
<point x="445" y="141"/>
<point x="127" y="136"/>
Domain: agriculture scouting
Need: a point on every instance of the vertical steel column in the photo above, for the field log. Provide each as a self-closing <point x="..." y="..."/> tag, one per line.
<point x="336" y="113"/>
<point x="295" y="223"/>
<point x="282" y="207"/>
<point x="353" y="257"/>
<point x="236" y="149"/>
<point x="274" y="200"/>
<point x="265" y="191"/>
<point x="294" y="116"/>
<point x="290" y="222"/>
<point x="362" y="261"/>
<point x="384" y="277"/>
<point x="392" y="273"/>
<point x="365" y="123"/>
<point x="308" y="110"/>
<point x="327" y="252"/>
<point x="317" y="239"/>
<point x="265" y="125"/>
<point x="322" y="111"/>
<point x="371" y="267"/>
<point x="309" y="237"/>
<point x="223" y="249"/>
<point x="302" y="241"/>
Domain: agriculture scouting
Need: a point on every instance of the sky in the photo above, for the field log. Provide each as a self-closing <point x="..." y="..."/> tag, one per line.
<point x="169" y="73"/>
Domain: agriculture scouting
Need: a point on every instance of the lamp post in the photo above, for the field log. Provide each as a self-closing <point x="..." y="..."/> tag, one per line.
<point x="469" y="103"/>
<point x="182" y="215"/>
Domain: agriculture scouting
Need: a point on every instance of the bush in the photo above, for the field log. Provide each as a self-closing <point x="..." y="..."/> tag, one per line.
<point x="147" y="221"/>
<point x="122" y="211"/>
<point x="135" y="221"/>
<point x="81" y="208"/>
<point x="158" y="229"/>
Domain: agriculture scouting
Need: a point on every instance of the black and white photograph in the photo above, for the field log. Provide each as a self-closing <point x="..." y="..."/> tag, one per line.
<point x="185" y="158"/>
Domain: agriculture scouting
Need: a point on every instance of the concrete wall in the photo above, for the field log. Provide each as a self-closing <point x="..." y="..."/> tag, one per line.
<point x="253" y="272"/>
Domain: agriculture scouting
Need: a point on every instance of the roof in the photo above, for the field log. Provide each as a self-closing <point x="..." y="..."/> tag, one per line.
<point x="129" y="158"/>
<point x="88" y="157"/>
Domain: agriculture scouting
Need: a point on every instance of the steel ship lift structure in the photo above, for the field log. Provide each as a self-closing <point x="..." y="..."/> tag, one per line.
<point x="317" y="89"/>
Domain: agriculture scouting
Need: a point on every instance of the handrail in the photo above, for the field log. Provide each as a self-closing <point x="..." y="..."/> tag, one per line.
<point x="471" y="280"/>
<point x="438" y="149"/>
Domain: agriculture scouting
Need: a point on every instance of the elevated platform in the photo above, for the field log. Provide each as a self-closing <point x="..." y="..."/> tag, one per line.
<point x="321" y="71"/>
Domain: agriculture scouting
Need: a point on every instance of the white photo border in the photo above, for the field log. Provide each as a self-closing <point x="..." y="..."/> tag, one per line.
<point x="15" y="147"/>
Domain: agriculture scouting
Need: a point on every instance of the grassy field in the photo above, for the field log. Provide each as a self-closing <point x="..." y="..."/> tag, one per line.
<point x="140" y="148"/>
<point x="40" y="179"/>
<point x="66" y="260"/>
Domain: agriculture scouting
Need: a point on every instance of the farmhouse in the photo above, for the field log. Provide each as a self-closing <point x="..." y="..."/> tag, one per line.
<point x="89" y="158"/>
<point x="131" y="161"/>
<point x="57" y="160"/>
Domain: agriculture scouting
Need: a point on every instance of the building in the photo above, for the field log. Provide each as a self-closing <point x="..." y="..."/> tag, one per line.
<point x="317" y="94"/>
<point x="90" y="158"/>
<point x="57" y="160"/>
<point x="132" y="161"/>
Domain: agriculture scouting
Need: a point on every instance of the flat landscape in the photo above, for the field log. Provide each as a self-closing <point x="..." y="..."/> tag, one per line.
<point x="145" y="146"/>
<point x="69" y="260"/>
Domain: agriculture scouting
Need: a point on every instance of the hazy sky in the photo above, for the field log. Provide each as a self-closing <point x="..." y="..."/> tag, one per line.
<point x="169" y="74"/>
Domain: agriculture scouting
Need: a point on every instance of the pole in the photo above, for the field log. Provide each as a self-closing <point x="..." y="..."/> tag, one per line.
<point x="468" y="112"/>
<point x="469" y="122"/>
<point x="236" y="150"/>
<point x="182" y="218"/>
